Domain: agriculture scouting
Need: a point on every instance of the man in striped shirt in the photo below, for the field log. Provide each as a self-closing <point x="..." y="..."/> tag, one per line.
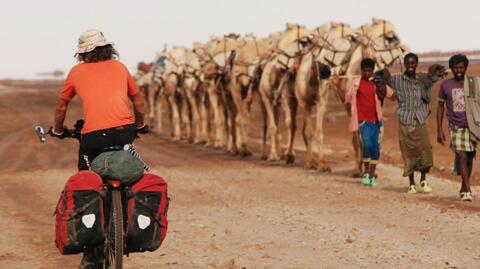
<point x="412" y="91"/>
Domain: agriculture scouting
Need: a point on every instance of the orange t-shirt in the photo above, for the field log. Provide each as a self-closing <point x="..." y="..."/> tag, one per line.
<point x="104" y="88"/>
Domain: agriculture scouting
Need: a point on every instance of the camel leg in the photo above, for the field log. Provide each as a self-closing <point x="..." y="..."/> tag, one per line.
<point x="240" y="119"/>
<point x="196" y="124"/>
<point x="158" y="112"/>
<point x="229" y="113"/>
<point x="204" y="116"/>
<point x="150" y="92"/>
<point x="175" y="117"/>
<point x="358" y="149"/>
<point x="217" y="119"/>
<point x="264" y="130"/>
<point x="272" y="128"/>
<point x="308" y="134"/>
<point x="185" y="117"/>
<point x="225" y="124"/>
<point x="232" y="129"/>
<point x="170" y="115"/>
<point x="242" y="126"/>
<point x="290" y="106"/>
<point x="232" y="114"/>
<point x="321" y="109"/>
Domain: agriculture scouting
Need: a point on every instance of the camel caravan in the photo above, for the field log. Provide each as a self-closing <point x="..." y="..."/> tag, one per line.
<point x="209" y="88"/>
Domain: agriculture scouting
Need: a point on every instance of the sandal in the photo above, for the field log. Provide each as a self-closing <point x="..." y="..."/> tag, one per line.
<point x="466" y="196"/>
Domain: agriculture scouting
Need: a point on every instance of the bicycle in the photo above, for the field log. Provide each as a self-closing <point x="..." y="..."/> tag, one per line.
<point x="114" y="206"/>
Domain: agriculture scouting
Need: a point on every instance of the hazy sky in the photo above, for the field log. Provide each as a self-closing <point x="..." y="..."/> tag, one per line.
<point x="41" y="35"/>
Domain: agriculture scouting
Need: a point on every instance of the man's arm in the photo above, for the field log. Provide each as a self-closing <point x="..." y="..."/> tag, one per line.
<point x="440" y="112"/>
<point x="391" y="94"/>
<point x="59" y="116"/>
<point x="138" y="109"/>
<point x="345" y="98"/>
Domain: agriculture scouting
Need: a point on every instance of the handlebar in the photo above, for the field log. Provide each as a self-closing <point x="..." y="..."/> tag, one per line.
<point x="76" y="132"/>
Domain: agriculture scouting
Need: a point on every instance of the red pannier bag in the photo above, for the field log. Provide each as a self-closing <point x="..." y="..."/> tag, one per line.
<point x="79" y="214"/>
<point x="147" y="214"/>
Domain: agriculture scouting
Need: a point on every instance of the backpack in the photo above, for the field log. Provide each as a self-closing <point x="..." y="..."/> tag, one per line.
<point x="472" y="103"/>
<point x="147" y="206"/>
<point x="120" y="165"/>
<point x="79" y="214"/>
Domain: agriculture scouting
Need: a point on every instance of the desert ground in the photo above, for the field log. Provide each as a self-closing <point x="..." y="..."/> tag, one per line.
<point x="229" y="212"/>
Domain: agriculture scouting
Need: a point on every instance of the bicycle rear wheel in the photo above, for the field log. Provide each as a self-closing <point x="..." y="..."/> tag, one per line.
<point x="114" y="246"/>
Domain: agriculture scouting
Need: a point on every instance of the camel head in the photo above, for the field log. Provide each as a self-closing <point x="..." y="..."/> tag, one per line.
<point x="293" y="33"/>
<point x="385" y="42"/>
<point x="319" y="34"/>
<point x="192" y="62"/>
<point x="248" y="49"/>
<point x="385" y="29"/>
<point x="175" y="60"/>
<point x="338" y="45"/>
<point x="289" y="58"/>
<point x="197" y="47"/>
<point x="340" y="30"/>
<point x="223" y="44"/>
<point x="221" y="49"/>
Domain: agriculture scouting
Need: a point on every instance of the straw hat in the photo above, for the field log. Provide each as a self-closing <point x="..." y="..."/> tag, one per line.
<point x="91" y="39"/>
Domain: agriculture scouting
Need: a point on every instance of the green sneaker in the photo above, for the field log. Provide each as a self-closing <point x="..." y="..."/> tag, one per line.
<point x="412" y="189"/>
<point x="366" y="179"/>
<point x="373" y="182"/>
<point x="425" y="187"/>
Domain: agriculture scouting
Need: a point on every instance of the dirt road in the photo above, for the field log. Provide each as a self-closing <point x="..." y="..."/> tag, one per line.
<point x="228" y="212"/>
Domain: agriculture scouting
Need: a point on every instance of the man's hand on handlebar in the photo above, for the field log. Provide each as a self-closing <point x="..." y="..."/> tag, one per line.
<point x="62" y="135"/>
<point x="145" y="129"/>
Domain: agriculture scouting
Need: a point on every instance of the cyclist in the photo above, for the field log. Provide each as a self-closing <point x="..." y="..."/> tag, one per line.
<point x="104" y="85"/>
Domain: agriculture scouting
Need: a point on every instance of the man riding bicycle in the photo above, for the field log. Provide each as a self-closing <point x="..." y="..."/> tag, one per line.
<point x="104" y="86"/>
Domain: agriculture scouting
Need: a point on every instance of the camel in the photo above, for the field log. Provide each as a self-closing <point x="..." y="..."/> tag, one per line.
<point x="211" y="89"/>
<point x="247" y="57"/>
<point x="215" y="58"/>
<point x="210" y="114"/>
<point x="192" y="85"/>
<point x="167" y="82"/>
<point x="303" y="92"/>
<point x="341" y="48"/>
<point x="287" y="49"/>
<point x="144" y="76"/>
<point x="378" y="41"/>
<point x="229" y="45"/>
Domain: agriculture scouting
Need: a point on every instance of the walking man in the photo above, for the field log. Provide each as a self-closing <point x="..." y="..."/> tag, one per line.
<point x="412" y="91"/>
<point x="453" y="95"/>
<point x="367" y="117"/>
